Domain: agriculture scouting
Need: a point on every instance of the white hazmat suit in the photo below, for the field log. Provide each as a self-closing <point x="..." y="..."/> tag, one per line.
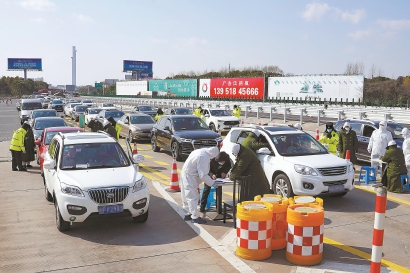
<point x="377" y="144"/>
<point x="194" y="172"/>
<point x="406" y="148"/>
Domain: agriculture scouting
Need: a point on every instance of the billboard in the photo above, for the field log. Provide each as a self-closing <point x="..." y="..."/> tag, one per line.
<point x="21" y="64"/>
<point x="179" y="88"/>
<point x="137" y="66"/>
<point x="319" y="87"/>
<point x="232" y="88"/>
<point x="131" y="88"/>
<point x="141" y="75"/>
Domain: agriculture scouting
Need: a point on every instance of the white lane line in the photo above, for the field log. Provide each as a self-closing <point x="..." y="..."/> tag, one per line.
<point x="217" y="246"/>
<point x="335" y="267"/>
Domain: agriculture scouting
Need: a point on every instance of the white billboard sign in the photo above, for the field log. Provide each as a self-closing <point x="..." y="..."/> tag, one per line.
<point x="319" y="87"/>
<point x="132" y="88"/>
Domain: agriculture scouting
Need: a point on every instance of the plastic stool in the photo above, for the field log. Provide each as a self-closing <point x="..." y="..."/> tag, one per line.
<point x="369" y="174"/>
<point x="405" y="182"/>
<point x="210" y="202"/>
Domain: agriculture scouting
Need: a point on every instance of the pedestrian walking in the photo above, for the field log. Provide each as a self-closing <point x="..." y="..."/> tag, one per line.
<point x="17" y="148"/>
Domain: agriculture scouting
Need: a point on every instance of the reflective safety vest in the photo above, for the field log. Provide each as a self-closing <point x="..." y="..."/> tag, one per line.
<point x="118" y="128"/>
<point x="237" y="112"/>
<point x="17" y="141"/>
<point x="157" y="116"/>
<point x="330" y="142"/>
<point x="198" y="113"/>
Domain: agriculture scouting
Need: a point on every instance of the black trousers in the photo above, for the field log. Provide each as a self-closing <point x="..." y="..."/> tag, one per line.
<point x="16" y="160"/>
<point x="205" y="194"/>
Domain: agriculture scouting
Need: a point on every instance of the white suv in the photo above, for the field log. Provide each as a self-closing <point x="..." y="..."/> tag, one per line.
<point x="89" y="173"/>
<point x="219" y="119"/>
<point x="296" y="163"/>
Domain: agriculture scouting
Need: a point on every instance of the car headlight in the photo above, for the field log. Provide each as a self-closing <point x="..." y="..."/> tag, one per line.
<point x="350" y="167"/>
<point x="181" y="139"/>
<point x="71" y="190"/>
<point x="305" y="170"/>
<point x="139" y="185"/>
<point x="220" y="120"/>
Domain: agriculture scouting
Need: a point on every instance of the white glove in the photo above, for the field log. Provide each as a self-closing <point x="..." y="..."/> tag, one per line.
<point x="369" y="150"/>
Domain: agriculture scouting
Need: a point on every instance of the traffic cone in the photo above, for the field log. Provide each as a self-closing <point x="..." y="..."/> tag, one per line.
<point x="348" y="155"/>
<point x="135" y="151"/>
<point x="317" y="133"/>
<point x="242" y="123"/>
<point x="259" y="123"/>
<point x="174" y="183"/>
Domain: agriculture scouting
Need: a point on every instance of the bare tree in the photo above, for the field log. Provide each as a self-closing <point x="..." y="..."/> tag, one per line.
<point x="373" y="70"/>
<point x="354" y="68"/>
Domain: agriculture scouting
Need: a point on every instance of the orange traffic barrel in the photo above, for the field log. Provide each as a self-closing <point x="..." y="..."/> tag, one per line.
<point x="254" y="230"/>
<point x="279" y="225"/>
<point x="305" y="234"/>
<point x="306" y="200"/>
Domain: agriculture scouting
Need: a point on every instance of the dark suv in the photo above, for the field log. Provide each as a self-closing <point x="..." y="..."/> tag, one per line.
<point x="364" y="130"/>
<point x="181" y="134"/>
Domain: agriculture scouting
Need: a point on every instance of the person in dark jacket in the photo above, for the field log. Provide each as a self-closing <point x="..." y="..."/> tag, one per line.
<point x="396" y="166"/>
<point x="252" y="141"/>
<point x="108" y="128"/>
<point x="219" y="167"/>
<point x="28" y="156"/>
<point x="348" y="141"/>
<point x="95" y="125"/>
<point x="116" y="126"/>
<point x="247" y="163"/>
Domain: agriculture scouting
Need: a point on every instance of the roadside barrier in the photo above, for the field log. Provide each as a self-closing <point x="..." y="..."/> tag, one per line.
<point x="174" y="183"/>
<point x="254" y="230"/>
<point x="378" y="229"/>
<point x="279" y="224"/>
<point x="306" y="200"/>
<point x="305" y="234"/>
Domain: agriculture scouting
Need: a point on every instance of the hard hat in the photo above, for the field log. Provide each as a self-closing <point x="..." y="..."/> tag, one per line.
<point x="391" y="143"/>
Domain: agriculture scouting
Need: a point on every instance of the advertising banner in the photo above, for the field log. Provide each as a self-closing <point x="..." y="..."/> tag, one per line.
<point x="137" y="66"/>
<point x="177" y="88"/>
<point x="21" y="64"/>
<point x="132" y="88"/>
<point x="252" y="88"/>
<point x="319" y="87"/>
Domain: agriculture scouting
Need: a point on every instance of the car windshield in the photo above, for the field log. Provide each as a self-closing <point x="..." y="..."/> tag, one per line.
<point x="74" y="105"/>
<point x="80" y="108"/>
<point x="108" y="105"/>
<point x="114" y="114"/>
<point x="46" y="101"/>
<point x="183" y="111"/>
<point x="31" y="105"/>
<point x="220" y="113"/>
<point x="93" y="111"/>
<point x="57" y="102"/>
<point x="146" y="108"/>
<point x="297" y="145"/>
<point x="93" y="156"/>
<point x="41" y="124"/>
<point x="189" y="124"/>
<point x="142" y="120"/>
<point x="38" y="114"/>
<point x="395" y="130"/>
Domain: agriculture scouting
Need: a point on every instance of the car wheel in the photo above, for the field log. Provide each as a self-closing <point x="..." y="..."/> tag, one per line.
<point x="176" y="151"/>
<point x="131" y="139"/>
<point x="48" y="196"/>
<point x="282" y="186"/>
<point x="154" y="145"/>
<point x="62" y="225"/>
<point x="141" y="218"/>
<point x="212" y="127"/>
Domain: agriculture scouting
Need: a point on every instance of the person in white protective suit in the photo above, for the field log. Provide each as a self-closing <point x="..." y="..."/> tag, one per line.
<point x="406" y="148"/>
<point x="377" y="145"/>
<point x="194" y="172"/>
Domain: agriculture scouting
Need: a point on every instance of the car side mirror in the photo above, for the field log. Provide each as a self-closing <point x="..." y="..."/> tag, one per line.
<point x="138" y="158"/>
<point x="166" y="128"/>
<point x="126" y="122"/>
<point x="49" y="164"/>
<point x="264" y="151"/>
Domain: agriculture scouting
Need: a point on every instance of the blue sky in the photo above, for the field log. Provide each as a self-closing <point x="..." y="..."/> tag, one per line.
<point x="301" y="37"/>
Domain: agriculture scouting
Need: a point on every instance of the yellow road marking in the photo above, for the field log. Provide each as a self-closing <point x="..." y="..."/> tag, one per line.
<point x="154" y="178"/>
<point x="391" y="198"/>
<point x="364" y="255"/>
<point x="147" y="156"/>
<point x="161" y="163"/>
<point x="154" y="171"/>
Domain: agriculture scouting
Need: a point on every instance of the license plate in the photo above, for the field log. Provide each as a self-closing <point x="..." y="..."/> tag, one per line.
<point x="110" y="209"/>
<point x="149" y="135"/>
<point x="336" y="188"/>
<point x="230" y="126"/>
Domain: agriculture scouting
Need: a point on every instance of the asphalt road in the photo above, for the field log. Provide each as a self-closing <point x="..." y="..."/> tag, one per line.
<point x="30" y="241"/>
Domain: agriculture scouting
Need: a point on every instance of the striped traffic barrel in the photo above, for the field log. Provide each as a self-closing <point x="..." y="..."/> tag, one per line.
<point x="306" y="200"/>
<point x="254" y="230"/>
<point x="279" y="225"/>
<point x="305" y="234"/>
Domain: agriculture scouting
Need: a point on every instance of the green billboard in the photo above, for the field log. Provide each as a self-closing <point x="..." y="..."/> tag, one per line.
<point x="179" y="88"/>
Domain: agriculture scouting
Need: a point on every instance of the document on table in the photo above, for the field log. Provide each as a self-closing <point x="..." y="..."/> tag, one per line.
<point x="224" y="181"/>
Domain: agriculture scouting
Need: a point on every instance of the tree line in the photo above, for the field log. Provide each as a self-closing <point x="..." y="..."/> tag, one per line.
<point x="17" y="86"/>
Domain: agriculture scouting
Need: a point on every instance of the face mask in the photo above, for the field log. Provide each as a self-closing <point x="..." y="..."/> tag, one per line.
<point x="347" y="130"/>
<point x="329" y="130"/>
<point x="221" y="163"/>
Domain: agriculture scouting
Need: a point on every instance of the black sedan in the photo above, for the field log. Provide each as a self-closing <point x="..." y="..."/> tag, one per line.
<point x="57" y="105"/>
<point x="181" y="134"/>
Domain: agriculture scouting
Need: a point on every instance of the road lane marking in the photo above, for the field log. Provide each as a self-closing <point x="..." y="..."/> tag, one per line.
<point x="154" y="178"/>
<point x="221" y="249"/>
<point x="148" y="156"/>
<point x="161" y="163"/>
<point x="154" y="171"/>
<point x="391" y="198"/>
<point x="364" y="255"/>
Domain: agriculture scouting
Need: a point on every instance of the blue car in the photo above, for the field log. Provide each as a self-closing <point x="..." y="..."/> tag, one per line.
<point x="364" y="130"/>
